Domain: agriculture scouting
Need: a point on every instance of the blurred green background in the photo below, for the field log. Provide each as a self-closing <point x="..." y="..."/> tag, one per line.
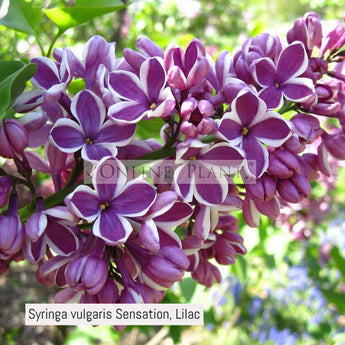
<point x="290" y="287"/>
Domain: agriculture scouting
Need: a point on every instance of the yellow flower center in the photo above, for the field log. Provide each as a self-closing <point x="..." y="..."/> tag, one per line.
<point x="104" y="205"/>
<point x="245" y="131"/>
<point x="153" y="106"/>
<point x="89" y="141"/>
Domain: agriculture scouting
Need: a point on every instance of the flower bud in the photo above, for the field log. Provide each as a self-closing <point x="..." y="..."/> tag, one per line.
<point x="87" y="273"/>
<point x="16" y="134"/>
<point x="263" y="189"/>
<point x="11" y="230"/>
<point x="295" y="188"/>
<point x="283" y="164"/>
<point x="335" y="144"/>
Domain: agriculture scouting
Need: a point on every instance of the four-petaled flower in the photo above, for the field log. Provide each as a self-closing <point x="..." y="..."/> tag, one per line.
<point x="284" y="78"/>
<point x="112" y="202"/>
<point x="143" y="96"/>
<point x="202" y="171"/>
<point x="90" y="132"/>
<point x="250" y="126"/>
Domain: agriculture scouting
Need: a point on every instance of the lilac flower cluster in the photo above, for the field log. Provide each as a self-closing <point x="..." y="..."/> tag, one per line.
<point x="125" y="239"/>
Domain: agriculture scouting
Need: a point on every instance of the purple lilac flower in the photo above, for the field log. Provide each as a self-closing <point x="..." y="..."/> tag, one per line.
<point x="166" y="213"/>
<point x="112" y="202"/>
<point x="92" y="133"/>
<point x="55" y="227"/>
<point x="55" y="163"/>
<point x="249" y="125"/>
<point x="96" y="52"/>
<point x="53" y="76"/>
<point x="145" y="96"/>
<point x="195" y="175"/>
<point x="284" y="78"/>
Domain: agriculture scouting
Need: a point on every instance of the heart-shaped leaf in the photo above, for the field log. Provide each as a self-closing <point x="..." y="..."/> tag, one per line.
<point x="13" y="78"/>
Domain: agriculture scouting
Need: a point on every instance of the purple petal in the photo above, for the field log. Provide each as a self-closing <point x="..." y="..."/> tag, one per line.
<point x="265" y="72"/>
<point x="292" y="62"/>
<point x="135" y="199"/>
<point x="148" y="234"/>
<point x="35" y="225"/>
<point x="221" y="154"/>
<point x="114" y="133"/>
<point x="110" y="227"/>
<point x="194" y="50"/>
<point x="56" y="158"/>
<point x="47" y="73"/>
<point x="176" y="215"/>
<point x="256" y="153"/>
<point x="198" y="72"/>
<point x="272" y="96"/>
<point x="230" y="129"/>
<point x="153" y="78"/>
<point x="84" y="203"/>
<point x="37" y="162"/>
<point x="96" y="152"/>
<point x="67" y="135"/>
<point x="209" y="189"/>
<point x="89" y="110"/>
<point x="61" y="239"/>
<point x="298" y="90"/>
<point x="247" y="106"/>
<point x="183" y="183"/>
<point x="34" y="251"/>
<point x="163" y="203"/>
<point x="109" y="178"/>
<point x="176" y="78"/>
<point x="272" y="129"/>
<point x="127" y="85"/>
<point x="127" y="112"/>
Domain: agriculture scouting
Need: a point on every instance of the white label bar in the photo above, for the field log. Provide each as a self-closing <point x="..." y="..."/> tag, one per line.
<point x="114" y="314"/>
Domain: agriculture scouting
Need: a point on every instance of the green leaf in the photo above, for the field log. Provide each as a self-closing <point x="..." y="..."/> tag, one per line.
<point x="22" y="16"/>
<point x="83" y="11"/>
<point x="13" y="78"/>
<point x="338" y="260"/>
<point x="76" y="85"/>
<point x="188" y="286"/>
<point x="338" y="299"/>
<point x="149" y="128"/>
